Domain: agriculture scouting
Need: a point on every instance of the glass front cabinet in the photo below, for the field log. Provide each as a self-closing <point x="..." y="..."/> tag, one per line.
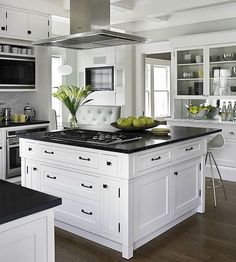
<point x="208" y="72"/>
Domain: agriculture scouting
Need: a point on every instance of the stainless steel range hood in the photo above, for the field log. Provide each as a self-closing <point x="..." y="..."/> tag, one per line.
<point x="89" y="28"/>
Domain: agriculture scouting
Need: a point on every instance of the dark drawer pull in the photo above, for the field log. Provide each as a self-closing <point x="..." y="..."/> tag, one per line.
<point x="176" y="173"/>
<point x="51" y="177"/>
<point x="85" y="159"/>
<point x="0" y="147"/>
<point x="48" y="152"/>
<point x="35" y="168"/>
<point x="83" y="185"/>
<point x="157" y="158"/>
<point x="189" y="149"/>
<point x="30" y="149"/>
<point x="87" y="213"/>
<point x="3" y="28"/>
<point x="109" y="163"/>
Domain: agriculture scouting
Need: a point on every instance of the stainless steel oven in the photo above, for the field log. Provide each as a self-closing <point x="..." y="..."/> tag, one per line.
<point x="13" y="160"/>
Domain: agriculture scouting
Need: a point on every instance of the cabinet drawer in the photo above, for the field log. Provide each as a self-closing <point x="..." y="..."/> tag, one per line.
<point x="188" y="149"/>
<point x="229" y="132"/>
<point x="77" y="157"/>
<point x="109" y="164"/>
<point x="30" y="149"/>
<point x="157" y="158"/>
<point x="79" y="212"/>
<point x="71" y="182"/>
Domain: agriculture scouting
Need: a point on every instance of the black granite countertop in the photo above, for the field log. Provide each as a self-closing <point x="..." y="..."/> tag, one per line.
<point x="17" y="202"/>
<point x="148" y="140"/>
<point x="5" y="124"/>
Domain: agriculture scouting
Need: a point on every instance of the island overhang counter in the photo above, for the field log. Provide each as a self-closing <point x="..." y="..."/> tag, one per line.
<point x="121" y="195"/>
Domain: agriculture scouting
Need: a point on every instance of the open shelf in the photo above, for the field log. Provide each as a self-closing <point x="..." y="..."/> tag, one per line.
<point x="222" y="62"/>
<point x="190" y="79"/>
<point x="190" y="64"/>
<point x="16" y="55"/>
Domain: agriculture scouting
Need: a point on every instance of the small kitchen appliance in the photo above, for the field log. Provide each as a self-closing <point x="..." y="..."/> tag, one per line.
<point x="29" y="112"/>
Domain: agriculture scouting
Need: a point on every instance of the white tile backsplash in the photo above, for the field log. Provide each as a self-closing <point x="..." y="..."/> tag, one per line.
<point x="16" y="101"/>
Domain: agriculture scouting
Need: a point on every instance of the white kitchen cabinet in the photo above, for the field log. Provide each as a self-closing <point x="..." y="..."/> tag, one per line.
<point x="2" y="20"/>
<point x="186" y="186"/>
<point x="17" y="23"/>
<point x="152" y="203"/>
<point x="31" y="175"/>
<point x="31" y="237"/>
<point x="23" y="24"/>
<point x="39" y="26"/>
<point x="144" y="198"/>
<point x="111" y="209"/>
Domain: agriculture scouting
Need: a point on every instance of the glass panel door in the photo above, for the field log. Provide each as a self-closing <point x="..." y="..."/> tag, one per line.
<point x="190" y="73"/>
<point x="223" y="71"/>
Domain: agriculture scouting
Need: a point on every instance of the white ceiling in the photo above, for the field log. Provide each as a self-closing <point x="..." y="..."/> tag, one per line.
<point x="144" y="15"/>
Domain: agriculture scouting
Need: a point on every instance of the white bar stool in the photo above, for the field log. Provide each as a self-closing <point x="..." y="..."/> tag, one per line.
<point x="215" y="143"/>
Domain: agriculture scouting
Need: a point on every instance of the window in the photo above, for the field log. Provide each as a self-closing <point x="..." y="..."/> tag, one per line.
<point x="157" y="88"/>
<point x="56" y="81"/>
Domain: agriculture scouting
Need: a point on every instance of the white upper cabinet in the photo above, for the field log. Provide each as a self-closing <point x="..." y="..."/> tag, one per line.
<point x="17" y="23"/>
<point x="39" y="26"/>
<point x="23" y="24"/>
<point x="2" y="20"/>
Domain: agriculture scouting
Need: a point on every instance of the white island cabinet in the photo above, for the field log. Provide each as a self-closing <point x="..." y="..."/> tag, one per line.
<point x="121" y="200"/>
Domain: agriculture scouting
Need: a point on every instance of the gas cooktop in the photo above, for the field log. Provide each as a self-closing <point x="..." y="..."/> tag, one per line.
<point x="91" y="136"/>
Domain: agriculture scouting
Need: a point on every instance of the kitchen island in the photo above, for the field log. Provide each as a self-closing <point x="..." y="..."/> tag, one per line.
<point x="120" y="195"/>
<point x="26" y="224"/>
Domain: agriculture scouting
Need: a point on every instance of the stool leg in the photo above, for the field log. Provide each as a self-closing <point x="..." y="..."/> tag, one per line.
<point x="217" y="168"/>
<point x="213" y="180"/>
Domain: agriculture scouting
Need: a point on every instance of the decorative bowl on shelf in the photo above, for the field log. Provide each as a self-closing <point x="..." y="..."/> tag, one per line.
<point x="134" y="129"/>
<point x="228" y="56"/>
<point x="199" y="113"/>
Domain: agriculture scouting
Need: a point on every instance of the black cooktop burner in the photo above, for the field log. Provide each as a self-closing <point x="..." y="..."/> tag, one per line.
<point x="91" y="136"/>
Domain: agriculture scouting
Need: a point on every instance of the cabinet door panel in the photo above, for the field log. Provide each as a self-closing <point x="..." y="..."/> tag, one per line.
<point x="31" y="237"/>
<point x="39" y="26"/>
<point x="2" y="20"/>
<point x="31" y="176"/>
<point x="111" y="209"/>
<point x="151" y="203"/>
<point x="186" y="185"/>
<point x="17" y="23"/>
<point x="1" y="162"/>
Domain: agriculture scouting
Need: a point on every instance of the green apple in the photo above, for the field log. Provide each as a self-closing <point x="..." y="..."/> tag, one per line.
<point x="139" y="122"/>
<point x="149" y="121"/>
<point x="124" y="123"/>
<point x="120" y="120"/>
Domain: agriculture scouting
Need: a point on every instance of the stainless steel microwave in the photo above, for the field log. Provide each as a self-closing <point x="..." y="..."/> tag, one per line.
<point x="101" y="78"/>
<point x="17" y="72"/>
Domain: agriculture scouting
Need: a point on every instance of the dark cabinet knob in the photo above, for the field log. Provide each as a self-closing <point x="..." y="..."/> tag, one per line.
<point x="30" y="149"/>
<point x="3" y="28"/>
<point x="105" y="186"/>
<point x="109" y="163"/>
<point x="176" y="173"/>
<point x="29" y="32"/>
<point x="35" y="168"/>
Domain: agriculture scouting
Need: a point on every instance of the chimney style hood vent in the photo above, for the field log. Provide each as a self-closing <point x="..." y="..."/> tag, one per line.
<point x="89" y="28"/>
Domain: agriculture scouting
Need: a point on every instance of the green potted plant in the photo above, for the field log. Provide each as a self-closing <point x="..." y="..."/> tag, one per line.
<point x="73" y="97"/>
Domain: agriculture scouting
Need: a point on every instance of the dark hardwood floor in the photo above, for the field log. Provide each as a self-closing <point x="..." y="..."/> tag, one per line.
<point x="204" y="237"/>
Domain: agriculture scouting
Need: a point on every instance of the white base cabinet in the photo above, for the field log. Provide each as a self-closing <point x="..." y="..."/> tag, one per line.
<point x="119" y="200"/>
<point x="29" y="239"/>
